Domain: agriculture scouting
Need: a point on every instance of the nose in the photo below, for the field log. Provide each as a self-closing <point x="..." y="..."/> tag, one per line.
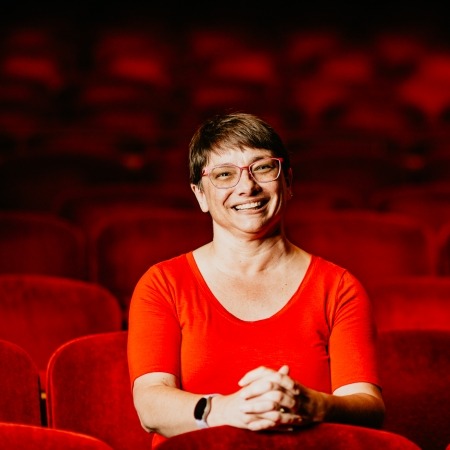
<point x="246" y="179"/>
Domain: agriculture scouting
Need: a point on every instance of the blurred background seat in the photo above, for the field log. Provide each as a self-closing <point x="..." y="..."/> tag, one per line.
<point x="427" y="202"/>
<point x="31" y="182"/>
<point x="86" y="206"/>
<point x="412" y="303"/>
<point x="89" y="391"/>
<point x="124" y="246"/>
<point x="369" y="244"/>
<point x="19" y="386"/>
<point x="443" y="249"/>
<point x="414" y="366"/>
<point x="40" y="313"/>
<point x="40" y="243"/>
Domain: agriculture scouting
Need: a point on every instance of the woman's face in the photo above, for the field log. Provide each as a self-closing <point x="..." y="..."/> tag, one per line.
<point x="248" y="207"/>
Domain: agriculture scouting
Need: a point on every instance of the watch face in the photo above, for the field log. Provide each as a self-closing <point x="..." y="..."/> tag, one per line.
<point x="200" y="408"/>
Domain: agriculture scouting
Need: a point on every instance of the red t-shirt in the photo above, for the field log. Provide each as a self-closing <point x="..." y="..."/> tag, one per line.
<point x="325" y="333"/>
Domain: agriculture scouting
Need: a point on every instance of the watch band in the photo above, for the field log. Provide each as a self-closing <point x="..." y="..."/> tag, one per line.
<point x="202" y="410"/>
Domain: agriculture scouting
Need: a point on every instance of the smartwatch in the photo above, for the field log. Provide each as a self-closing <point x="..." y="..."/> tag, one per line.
<point x="201" y="411"/>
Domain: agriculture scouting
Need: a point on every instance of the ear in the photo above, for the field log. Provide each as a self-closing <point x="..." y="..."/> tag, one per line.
<point x="200" y="196"/>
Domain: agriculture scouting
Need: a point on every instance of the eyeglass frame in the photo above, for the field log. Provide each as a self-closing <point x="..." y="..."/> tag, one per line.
<point x="207" y="172"/>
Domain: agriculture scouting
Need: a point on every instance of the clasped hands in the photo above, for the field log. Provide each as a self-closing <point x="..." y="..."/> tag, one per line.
<point x="268" y="399"/>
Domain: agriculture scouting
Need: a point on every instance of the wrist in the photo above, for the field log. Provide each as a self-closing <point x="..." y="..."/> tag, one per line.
<point x="202" y="410"/>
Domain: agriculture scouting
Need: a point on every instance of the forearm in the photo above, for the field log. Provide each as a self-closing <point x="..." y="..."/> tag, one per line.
<point x="165" y="410"/>
<point x="357" y="409"/>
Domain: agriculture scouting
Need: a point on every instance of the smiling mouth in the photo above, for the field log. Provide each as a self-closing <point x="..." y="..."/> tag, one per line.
<point x="246" y="206"/>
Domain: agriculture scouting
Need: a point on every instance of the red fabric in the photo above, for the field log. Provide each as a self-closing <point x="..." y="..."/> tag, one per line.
<point x="126" y="244"/>
<point x="370" y="244"/>
<point x="40" y="313"/>
<point x="444" y="250"/>
<point x="414" y="367"/>
<point x="411" y="302"/>
<point x="324" y="436"/>
<point x="41" y="243"/>
<point x="28" y="437"/>
<point x="88" y="391"/>
<point x="19" y="386"/>
<point x="178" y="326"/>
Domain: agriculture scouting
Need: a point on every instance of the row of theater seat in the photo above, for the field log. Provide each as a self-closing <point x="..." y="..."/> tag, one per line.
<point x="150" y="85"/>
<point x="41" y="312"/>
<point x="88" y="392"/>
<point x="120" y="245"/>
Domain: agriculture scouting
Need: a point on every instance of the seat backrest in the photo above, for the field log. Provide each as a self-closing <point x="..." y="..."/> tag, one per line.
<point x="428" y="202"/>
<point x="32" y="181"/>
<point x="19" y="386"/>
<point x="88" y="391"/>
<point x="370" y="244"/>
<point x="414" y="367"/>
<point x="124" y="247"/>
<point x="443" y="249"/>
<point x="85" y="207"/>
<point x="323" y="436"/>
<point x="29" y="437"/>
<point x="41" y="243"/>
<point x="411" y="302"/>
<point x="40" y="313"/>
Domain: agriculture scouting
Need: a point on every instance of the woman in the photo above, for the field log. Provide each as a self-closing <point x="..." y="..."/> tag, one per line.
<point x="249" y="330"/>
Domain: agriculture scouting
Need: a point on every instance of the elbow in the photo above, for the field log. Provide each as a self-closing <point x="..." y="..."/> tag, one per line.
<point x="145" y="425"/>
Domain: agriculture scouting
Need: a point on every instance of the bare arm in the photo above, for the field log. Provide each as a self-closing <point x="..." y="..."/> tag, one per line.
<point x="266" y="399"/>
<point x="356" y="403"/>
<point x="164" y="408"/>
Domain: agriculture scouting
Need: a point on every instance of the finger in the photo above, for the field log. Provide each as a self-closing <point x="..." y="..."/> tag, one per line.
<point x="284" y="370"/>
<point x="254" y="375"/>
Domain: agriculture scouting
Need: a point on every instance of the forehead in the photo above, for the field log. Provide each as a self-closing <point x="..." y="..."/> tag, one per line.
<point x="238" y="156"/>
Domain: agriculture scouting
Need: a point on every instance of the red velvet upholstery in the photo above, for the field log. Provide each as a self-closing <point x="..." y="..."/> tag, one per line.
<point x="88" y="391"/>
<point x="33" y="180"/>
<point x="414" y="368"/>
<point x="412" y="302"/>
<point x="125" y="247"/>
<point x="29" y="437"/>
<point x="364" y="171"/>
<point x="87" y="206"/>
<point x="44" y="244"/>
<point x="323" y="436"/>
<point x="19" y="386"/>
<point x="370" y="244"/>
<point x="444" y="250"/>
<point x="428" y="202"/>
<point x="40" y="313"/>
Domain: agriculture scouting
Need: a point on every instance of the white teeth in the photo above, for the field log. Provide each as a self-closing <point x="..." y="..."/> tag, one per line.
<point x="248" y="205"/>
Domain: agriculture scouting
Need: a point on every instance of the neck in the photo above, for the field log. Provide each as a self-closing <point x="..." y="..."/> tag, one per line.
<point x="240" y="256"/>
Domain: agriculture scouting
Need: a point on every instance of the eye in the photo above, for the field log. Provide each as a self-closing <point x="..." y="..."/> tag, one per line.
<point x="264" y="166"/>
<point x="223" y="172"/>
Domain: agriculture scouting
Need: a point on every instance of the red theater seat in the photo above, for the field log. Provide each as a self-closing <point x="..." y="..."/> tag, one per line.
<point x="411" y="302"/>
<point x="443" y="257"/>
<point x="89" y="391"/>
<point x="19" y="386"/>
<point x="414" y="367"/>
<point x="40" y="243"/>
<point x="323" y="436"/>
<point x="28" y="437"/>
<point x="124" y="246"/>
<point x="370" y="244"/>
<point x="40" y="313"/>
<point x="429" y="202"/>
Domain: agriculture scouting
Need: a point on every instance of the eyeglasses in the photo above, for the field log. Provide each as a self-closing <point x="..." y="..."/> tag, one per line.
<point x="226" y="176"/>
